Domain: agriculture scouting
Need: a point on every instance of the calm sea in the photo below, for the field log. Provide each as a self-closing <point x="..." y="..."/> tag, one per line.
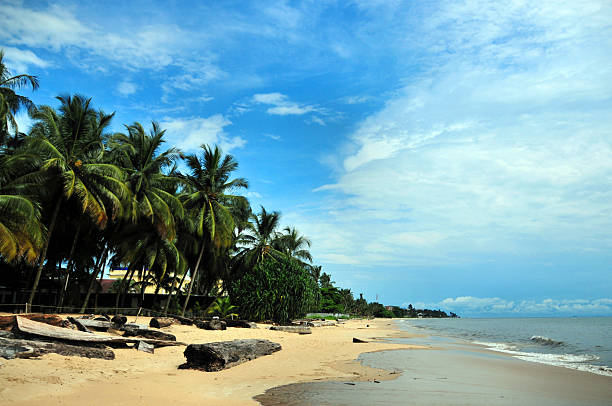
<point x="457" y="372"/>
<point x="583" y="343"/>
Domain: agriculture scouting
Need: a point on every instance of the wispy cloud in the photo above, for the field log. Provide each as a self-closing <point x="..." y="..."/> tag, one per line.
<point x="126" y="88"/>
<point x="189" y="133"/>
<point x="273" y="136"/>
<point x="281" y="105"/>
<point x="495" y="306"/>
<point x="20" y="60"/>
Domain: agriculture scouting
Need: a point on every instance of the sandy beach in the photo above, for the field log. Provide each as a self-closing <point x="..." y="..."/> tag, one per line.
<point x="138" y="378"/>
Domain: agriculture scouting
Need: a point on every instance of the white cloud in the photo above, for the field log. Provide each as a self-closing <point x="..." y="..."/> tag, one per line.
<point x="126" y="88"/>
<point x="189" y="133"/>
<point x="59" y="28"/>
<point x="282" y="106"/>
<point x="273" y="137"/>
<point x="356" y="99"/>
<point x="492" y="306"/>
<point x="505" y="146"/>
<point x="19" y="60"/>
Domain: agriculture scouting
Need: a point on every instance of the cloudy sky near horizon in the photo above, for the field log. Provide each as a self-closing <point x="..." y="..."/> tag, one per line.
<point x="453" y="154"/>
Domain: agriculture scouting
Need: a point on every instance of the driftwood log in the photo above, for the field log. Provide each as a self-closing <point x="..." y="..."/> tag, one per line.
<point x="240" y="323"/>
<point x="183" y="320"/>
<point x="226" y="354"/>
<point x="211" y="325"/>
<point x="292" y="329"/>
<point x="35" y="329"/>
<point x="97" y="325"/>
<point x="147" y="333"/>
<point x="18" y="348"/>
<point x="8" y="322"/>
<point x="159" y="322"/>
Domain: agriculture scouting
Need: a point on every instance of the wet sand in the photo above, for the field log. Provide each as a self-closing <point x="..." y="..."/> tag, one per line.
<point x="454" y="374"/>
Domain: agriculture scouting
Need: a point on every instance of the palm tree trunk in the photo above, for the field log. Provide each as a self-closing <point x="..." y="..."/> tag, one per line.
<point x="69" y="267"/>
<point x="193" y="278"/>
<point x="43" y="254"/>
<point x="94" y="276"/>
<point x="170" y="293"/>
<point x="121" y="286"/>
<point x="142" y="286"/>
<point x="173" y="291"/>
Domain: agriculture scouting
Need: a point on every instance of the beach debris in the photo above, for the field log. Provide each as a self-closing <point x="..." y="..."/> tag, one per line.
<point x="145" y="347"/>
<point x="292" y="329"/>
<point x="8" y="322"/>
<point x="358" y="340"/>
<point x="129" y="331"/>
<point x="349" y="383"/>
<point x="20" y="348"/>
<point x="75" y="337"/>
<point x="214" y="324"/>
<point x="183" y="320"/>
<point x="240" y="323"/>
<point x="159" y="322"/>
<point x="79" y="325"/>
<point x="118" y="320"/>
<point x="226" y="354"/>
<point x="97" y="325"/>
<point x="375" y="381"/>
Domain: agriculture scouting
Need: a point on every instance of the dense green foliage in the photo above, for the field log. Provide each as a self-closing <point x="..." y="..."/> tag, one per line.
<point x="275" y="289"/>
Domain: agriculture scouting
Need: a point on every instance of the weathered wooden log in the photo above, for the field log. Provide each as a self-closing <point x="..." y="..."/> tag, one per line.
<point x="292" y="329"/>
<point x="211" y="325"/>
<point x="226" y="354"/>
<point x="97" y="325"/>
<point x="33" y="328"/>
<point x="159" y="322"/>
<point x="240" y="323"/>
<point x="8" y="322"/>
<point x="79" y="325"/>
<point x="358" y="340"/>
<point x="147" y="333"/>
<point x="18" y="348"/>
<point x="184" y="320"/>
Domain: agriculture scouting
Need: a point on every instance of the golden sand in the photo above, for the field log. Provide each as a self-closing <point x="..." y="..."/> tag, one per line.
<point x="138" y="378"/>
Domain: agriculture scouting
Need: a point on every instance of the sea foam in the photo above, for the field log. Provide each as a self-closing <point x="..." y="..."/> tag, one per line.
<point x="573" y="361"/>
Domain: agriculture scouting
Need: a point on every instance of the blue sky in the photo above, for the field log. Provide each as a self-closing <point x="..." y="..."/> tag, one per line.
<point x="453" y="154"/>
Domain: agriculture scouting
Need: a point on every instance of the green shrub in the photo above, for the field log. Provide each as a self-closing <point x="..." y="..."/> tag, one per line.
<point x="275" y="289"/>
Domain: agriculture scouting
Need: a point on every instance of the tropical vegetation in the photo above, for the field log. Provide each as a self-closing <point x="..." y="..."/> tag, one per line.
<point x="77" y="199"/>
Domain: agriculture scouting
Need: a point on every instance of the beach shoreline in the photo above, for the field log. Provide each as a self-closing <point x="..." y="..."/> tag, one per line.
<point x="328" y="354"/>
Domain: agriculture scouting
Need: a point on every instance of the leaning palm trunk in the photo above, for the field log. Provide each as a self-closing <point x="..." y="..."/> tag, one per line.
<point x="173" y="291"/>
<point x="43" y="254"/>
<point x="193" y="278"/>
<point x="122" y="285"/>
<point x="69" y="268"/>
<point x="94" y="276"/>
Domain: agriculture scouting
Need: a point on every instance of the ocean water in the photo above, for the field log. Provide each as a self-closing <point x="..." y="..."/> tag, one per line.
<point x="478" y="362"/>
<point x="582" y="343"/>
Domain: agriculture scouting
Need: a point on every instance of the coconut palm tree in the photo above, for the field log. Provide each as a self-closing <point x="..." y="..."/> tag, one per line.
<point x="261" y="240"/>
<point x="69" y="146"/>
<point x="11" y="102"/>
<point x="153" y="198"/>
<point x="208" y="200"/>
<point x="21" y="232"/>
<point x="292" y="244"/>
